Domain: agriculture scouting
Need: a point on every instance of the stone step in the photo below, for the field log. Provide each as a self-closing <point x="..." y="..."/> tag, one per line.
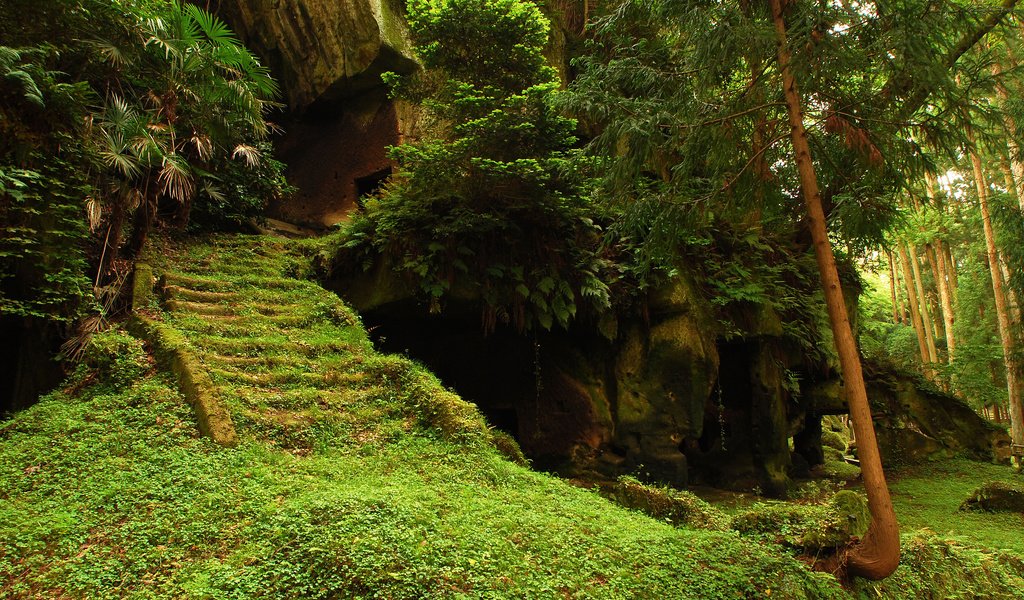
<point x="229" y="346"/>
<point x="311" y="379"/>
<point x="175" y="292"/>
<point x="200" y="308"/>
<point x="329" y="399"/>
<point x="235" y="308"/>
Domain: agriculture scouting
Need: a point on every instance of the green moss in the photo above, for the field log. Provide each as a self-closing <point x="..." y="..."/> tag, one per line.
<point x="831" y="439"/>
<point x="358" y="475"/>
<point x="679" y="508"/>
<point x="809" y="527"/>
<point x="935" y="567"/>
<point x="929" y="496"/>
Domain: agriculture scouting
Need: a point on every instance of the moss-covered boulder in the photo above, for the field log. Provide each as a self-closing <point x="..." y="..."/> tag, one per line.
<point x="810" y="527"/>
<point x="997" y="496"/>
<point x="915" y="421"/>
<point x="680" y="508"/>
<point x="831" y="439"/>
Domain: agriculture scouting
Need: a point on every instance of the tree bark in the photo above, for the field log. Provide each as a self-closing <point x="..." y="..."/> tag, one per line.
<point x="943" y="310"/>
<point x="923" y="310"/>
<point x="1016" y="179"/>
<point x="1002" y="313"/>
<point x="878" y="554"/>
<point x="951" y="274"/>
<point x="948" y="316"/>
<point x="892" y="289"/>
<point x="915" y="314"/>
<point x="941" y="271"/>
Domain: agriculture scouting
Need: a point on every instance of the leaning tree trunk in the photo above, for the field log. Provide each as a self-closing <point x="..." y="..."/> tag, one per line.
<point x="877" y="555"/>
<point x="1002" y="312"/>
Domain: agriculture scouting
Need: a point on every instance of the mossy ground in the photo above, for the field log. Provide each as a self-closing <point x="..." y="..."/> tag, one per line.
<point x="357" y="475"/>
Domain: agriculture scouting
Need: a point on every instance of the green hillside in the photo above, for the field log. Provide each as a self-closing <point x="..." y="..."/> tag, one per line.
<point x="355" y="475"/>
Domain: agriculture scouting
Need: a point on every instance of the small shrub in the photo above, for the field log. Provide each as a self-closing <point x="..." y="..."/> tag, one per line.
<point x="507" y="446"/>
<point x="118" y="359"/>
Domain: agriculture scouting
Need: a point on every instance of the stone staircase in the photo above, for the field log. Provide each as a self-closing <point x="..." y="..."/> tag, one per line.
<point x="286" y="358"/>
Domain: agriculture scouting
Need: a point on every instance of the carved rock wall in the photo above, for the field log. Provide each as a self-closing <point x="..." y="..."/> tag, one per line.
<point x="324" y="50"/>
<point x="328" y="56"/>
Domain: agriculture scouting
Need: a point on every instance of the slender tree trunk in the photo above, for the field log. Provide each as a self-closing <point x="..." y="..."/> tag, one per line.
<point x="915" y="315"/>
<point x="925" y="312"/>
<point x="1016" y="180"/>
<point x="937" y="258"/>
<point x="951" y="273"/>
<point x="1002" y="315"/>
<point x="878" y="554"/>
<point x="947" y="300"/>
<point x="892" y="289"/>
<point x="937" y="306"/>
<point x="900" y="296"/>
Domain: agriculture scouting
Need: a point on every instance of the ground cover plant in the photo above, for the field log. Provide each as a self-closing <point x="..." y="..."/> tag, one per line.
<point x="357" y="475"/>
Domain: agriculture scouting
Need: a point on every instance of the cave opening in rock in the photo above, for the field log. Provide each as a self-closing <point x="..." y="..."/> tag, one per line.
<point x="517" y="380"/>
<point x="369" y="185"/>
<point x="495" y="371"/>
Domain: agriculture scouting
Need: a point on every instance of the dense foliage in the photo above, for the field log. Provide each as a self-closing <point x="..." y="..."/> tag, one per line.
<point x="114" y="115"/>
<point x="491" y="205"/>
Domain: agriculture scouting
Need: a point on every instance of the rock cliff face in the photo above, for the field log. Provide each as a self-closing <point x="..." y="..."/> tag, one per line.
<point x="329" y="56"/>
<point x="660" y="396"/>
<point x="666" y="398"/>
<point x="324" y="50"/>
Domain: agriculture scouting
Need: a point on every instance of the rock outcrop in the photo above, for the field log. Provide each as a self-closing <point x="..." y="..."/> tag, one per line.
<point x="324" y="50"/>
<point x="329" y="57"/>
<point x="915" y="421"/>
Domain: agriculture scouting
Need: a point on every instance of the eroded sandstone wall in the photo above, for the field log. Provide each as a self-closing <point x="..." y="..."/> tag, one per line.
<point x="328" y="56"/>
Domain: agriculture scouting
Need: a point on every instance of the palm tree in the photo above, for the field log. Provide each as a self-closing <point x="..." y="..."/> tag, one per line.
<point x="191" y="94"/>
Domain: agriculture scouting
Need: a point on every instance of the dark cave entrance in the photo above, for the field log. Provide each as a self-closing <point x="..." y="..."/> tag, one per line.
<point x="368" y="185"/>
<point x="521" y="382"/>
<point x="496" y="372"/>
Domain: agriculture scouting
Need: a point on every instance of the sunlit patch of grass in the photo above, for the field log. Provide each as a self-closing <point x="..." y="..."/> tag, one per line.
<point x="929" y="497"/>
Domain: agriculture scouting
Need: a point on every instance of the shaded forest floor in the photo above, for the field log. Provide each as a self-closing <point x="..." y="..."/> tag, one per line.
<point x="358" y="475"/>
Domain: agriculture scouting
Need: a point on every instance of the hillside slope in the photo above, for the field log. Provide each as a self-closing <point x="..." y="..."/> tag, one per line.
<point x="356" y="474"/>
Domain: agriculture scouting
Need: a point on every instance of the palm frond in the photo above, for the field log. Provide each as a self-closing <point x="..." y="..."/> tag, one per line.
<point x="250" y="154"/>
<point x="176" y="178"/>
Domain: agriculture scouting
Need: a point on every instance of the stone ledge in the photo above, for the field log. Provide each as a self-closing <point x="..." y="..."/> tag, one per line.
<point x="213" y="417"/>
<point x="171" y="352"/>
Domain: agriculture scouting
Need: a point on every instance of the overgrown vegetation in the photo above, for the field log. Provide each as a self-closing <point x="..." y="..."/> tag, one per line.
<point x="492" y="205"/>
<point x="357" y="475"/>
<point x="115" y="114"/>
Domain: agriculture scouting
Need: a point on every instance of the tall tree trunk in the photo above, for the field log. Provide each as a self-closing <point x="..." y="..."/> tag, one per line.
<point x="1016" y="167"/>
<point x="925" y="312"/>
<point x="915" y="314"/>
<point x="940" y="270"/>
<point x="892" y="289"/>
<point x="951" y="273"/>
<point x="946" y="302"/>
<point x="1002" y="313"/>
<point x="878" y="554"/>
<point x="936" y="305"/>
